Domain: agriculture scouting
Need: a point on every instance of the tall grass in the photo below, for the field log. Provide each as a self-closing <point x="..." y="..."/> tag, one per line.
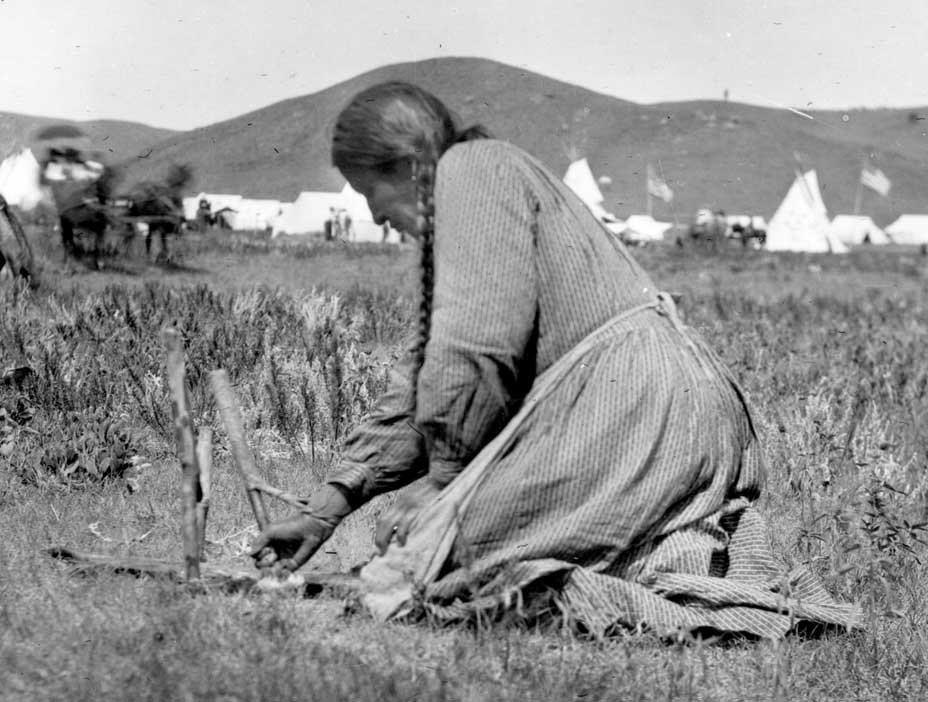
<point x="303" y="365"/>
<point x="829" y="351"/>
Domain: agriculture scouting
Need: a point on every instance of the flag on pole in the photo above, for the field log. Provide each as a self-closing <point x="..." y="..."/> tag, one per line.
<point x="876" y="180"/>
<point x="657" y="187"/>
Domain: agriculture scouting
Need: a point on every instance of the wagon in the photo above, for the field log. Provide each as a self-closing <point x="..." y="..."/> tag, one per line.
<point x="125" y="219"/>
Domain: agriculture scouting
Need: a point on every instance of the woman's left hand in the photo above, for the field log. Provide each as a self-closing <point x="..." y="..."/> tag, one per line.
<point x="398" y="517"/>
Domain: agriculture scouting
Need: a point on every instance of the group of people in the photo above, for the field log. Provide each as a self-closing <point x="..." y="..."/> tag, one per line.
<point x="557" y="431"/>
<point x="338" y="226"/>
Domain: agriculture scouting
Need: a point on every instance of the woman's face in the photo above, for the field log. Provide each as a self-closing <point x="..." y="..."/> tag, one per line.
<point x="390" y="196"/>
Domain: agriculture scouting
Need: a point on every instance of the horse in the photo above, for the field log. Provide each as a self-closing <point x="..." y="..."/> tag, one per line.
<point x="161" y="206"/>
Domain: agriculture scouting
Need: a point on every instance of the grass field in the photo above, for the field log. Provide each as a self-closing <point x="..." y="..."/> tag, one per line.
<point x="830" y="352"/>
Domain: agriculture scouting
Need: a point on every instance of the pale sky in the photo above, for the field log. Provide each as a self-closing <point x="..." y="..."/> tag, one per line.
<point x="187" y="63"/>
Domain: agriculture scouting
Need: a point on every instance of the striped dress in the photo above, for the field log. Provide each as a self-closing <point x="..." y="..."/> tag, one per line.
<point x="590" y="443"/>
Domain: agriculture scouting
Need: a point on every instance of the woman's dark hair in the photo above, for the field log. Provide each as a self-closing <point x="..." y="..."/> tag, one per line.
<point x="391" y="123"/>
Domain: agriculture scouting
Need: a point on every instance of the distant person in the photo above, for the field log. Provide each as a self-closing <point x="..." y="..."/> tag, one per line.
<point x="346" y="225"/>
<point x="204" y="217"/>
<point x="559" y="428"/>
<point x="336" y="225"/>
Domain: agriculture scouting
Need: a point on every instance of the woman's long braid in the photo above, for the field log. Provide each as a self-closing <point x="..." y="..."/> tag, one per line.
<point x="424" y="173"/>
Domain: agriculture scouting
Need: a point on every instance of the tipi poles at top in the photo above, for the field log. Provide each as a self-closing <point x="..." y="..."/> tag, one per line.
<point x="802" y="177"/>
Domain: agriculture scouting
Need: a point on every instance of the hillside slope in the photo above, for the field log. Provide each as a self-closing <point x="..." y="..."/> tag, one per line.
<point x="116" y="140"/>
<point x="718" y="154"/>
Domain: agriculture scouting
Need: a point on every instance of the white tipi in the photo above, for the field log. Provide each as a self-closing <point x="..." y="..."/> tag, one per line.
<point x="579" y="178"/>
<point x="801" y="222"/>
<point x="19" y="180"/>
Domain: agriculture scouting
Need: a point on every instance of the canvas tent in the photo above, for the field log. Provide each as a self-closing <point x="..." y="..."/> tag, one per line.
<point x="579" y="178"/>
<point x="285" y="208"/>
<point x="19" y="180"/>
<point x="311" y="209"/>
<point x="854" y="230"/>
<point x="643" y="228"/>
<point x="911" y="230"/>
<point x="307" y="214"/>
<point x="255" y="214"/>
<point x="801" y="222"/>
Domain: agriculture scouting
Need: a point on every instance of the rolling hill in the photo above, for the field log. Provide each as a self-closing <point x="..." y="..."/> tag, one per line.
<point x="718" y="154"/>
<point x="117" y="140"/>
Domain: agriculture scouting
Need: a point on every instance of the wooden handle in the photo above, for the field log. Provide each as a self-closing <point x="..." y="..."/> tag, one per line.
<point x="243" y="458"/>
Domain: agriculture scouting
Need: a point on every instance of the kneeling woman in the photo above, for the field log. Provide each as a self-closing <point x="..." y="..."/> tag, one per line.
<point x="559" y="423"/>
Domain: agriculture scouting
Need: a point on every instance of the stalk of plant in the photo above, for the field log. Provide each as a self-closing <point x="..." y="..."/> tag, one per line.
<point x="186" y="451"/>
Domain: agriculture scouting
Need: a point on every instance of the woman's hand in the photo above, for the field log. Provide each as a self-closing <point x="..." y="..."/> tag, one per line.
<point x="287" y="544"/>
<point x="397" y="519"/>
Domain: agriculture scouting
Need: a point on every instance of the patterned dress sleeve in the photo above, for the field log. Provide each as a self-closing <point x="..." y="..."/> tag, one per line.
<point x="478" y="361"/>
<point x="386" y="451"/>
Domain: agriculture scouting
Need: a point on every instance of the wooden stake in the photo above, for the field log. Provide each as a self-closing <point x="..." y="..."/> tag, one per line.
<point x="186" y="452"/>
<point x="228" y="576"/>
<point x="243" y="458"/>
<point x="205" y="463"/>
